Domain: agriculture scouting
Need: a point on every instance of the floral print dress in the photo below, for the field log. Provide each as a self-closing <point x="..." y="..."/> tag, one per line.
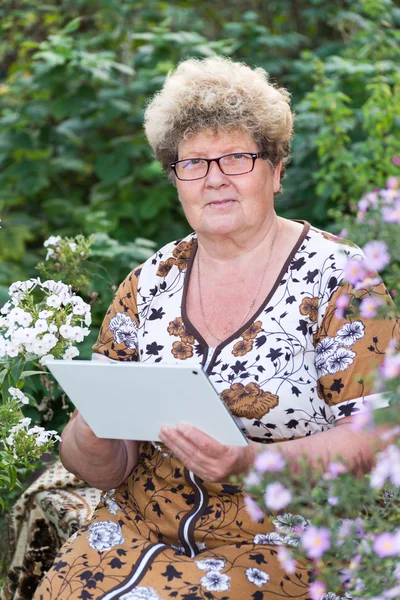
<point x="292" y="370"/>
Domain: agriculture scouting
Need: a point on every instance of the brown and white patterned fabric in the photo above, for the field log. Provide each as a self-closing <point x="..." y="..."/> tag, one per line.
<point x="292" y="370"/>
<point x="54" y="507"/>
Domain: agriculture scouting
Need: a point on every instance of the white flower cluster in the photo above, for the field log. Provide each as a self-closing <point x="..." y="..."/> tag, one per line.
<point x="42" y="436"/>
<point x="54" y="242"/>
<point x="16" y="394"/>
<point x="43" y="319"/>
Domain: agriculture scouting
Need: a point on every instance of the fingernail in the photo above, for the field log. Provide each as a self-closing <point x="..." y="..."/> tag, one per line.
<point x="166" y="430"/>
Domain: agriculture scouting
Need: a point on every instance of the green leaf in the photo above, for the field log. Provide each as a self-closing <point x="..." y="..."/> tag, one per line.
<point x="25" y="374"/>
<point x="12" y="473"/>
<point x="72" y="25"/>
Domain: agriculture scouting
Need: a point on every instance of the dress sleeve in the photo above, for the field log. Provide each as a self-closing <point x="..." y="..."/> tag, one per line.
<point x="349" y="349"/>
<point x="118" y="339"/>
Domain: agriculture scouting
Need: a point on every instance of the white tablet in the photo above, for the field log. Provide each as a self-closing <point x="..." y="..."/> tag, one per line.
<point x="132" y="400"/>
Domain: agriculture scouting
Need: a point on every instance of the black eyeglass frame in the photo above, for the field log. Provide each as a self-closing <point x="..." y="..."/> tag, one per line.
<point x="254" y="156"/>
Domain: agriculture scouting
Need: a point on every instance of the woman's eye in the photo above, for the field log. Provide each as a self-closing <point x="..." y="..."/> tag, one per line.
<point x="193" y="162"/>
<point x="238" y="156"/>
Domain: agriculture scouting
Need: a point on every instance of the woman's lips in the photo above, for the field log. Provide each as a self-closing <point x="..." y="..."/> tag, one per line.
<point x="221" y="203"/>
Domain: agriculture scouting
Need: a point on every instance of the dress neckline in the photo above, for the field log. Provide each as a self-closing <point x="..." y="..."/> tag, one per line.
<point x="191" y="329"/>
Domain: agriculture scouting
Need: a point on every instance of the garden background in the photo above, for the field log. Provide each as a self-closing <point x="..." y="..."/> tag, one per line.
<point x="75" y="76"/>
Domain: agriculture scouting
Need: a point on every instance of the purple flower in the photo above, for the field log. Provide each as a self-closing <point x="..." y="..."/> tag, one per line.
<point x="333" y="500"/>
<point x="354" y="271"/>
<point x="376" y="254"/>
<point x="254" y="511"/>
<point x="315" y="541"/>
<point x="335" y="469"/>
<point x="368" y="307"/>
<point x="316" y="590"/>
<point x="286" y="560"/>
<point x="391" y="366"/>
<point x="387" y="544"/>
<point x="363" y="419"/>
<point x="396" y="161"/>
<point x="269" y="460"/>
<point x="277" y="496"/>
<point x="391" y="214"/>
<point x="392" y="183"/>
<point x="342" y="303"/>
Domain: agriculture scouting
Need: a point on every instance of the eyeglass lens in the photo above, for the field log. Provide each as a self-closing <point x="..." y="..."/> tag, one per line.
<point x="231" y="164"/>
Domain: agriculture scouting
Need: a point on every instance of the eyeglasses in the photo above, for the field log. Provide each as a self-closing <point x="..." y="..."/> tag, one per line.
<point x="237" y="163"/>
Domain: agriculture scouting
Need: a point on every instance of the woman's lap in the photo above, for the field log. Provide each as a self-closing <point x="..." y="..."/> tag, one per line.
<point x="108" y="559"/>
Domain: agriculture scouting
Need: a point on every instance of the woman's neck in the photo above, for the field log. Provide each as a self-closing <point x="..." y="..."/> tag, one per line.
<point x="222" y="251"/>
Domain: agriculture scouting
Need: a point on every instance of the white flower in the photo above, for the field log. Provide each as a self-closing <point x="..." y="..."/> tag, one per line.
<point x="43" y="435"/>
<point x="340" y="360"/>
<point x="24" y="335"/>
<point x="53" y="301"/>
<point x="350" y="333"/>
<point x="45" y="314"/>
<point x="270" y="539"/>
<point x="5" y="309"/>
<point x="25" y="422"/>
<point x="10" y="440"/>
<point x="53" y="328"/>
<point x="39" y="347"/>
<point x="50" y="340"/>
<point x="289" y="523"/>
<point x="2" y="346"/>
<point x="80" y="309"/>
<point x="18" y="395"/>
<point x="124" y="330"/>
<point x="88" y="319"/>
<point x="50" y="253"/>
<point x="67" y="332"/>
<point x="79" y="333"/>
<point x="141" y="592"/>
<point x="12" y="349"/>
<point x="46" y="358"/>
<point x="105" y="535"/>
<point x="41" y="325"/>
<point x="214" y="581"/>
<point x="73" y="246"/>
<point x="70" y="353"/>
<point x="210" y="564"/>
<point x="53" y="240"/>
<point x="257" y="576"/>
<point x="17" y="315"/>
<point x="325" y="348"/>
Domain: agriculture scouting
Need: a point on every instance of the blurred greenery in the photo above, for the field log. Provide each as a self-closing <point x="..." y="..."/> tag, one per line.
<point x="75" y="77"/>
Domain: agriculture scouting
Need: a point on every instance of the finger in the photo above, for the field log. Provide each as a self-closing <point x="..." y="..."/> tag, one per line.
<point x="176" y="442"/>
<point x="205" y="443"/>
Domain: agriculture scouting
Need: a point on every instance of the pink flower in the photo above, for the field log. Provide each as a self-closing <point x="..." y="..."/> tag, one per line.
<point x="363" y="419"/>
<point x="269" y="460"/>
<point x="342" y="302"/>
<point x="315" y="541"/>
<point x="391" y="366"/>
<point x="368" y="306"/>
<point x="316" y="590"/>
<point x="277" y="496"/>
<point x="376" y="255"/>
<point x="387" y="544"/>
<point x="392" y="183"/>
<point x="286" y="560"/>
<point x="396" y="161"/>
<point x="333" y="500"/>
<point x="254" y="511"/>
<point x="391" y="214"/>
<point x="334" y="469"/>
<point x="354" y="271"/>
<point x="252" y="479"/>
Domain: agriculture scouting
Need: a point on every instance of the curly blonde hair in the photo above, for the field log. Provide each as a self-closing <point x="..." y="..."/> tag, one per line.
<point x="219" y="94"/>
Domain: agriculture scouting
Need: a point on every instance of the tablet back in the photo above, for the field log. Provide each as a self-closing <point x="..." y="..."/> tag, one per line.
<point x="133" y="400"/>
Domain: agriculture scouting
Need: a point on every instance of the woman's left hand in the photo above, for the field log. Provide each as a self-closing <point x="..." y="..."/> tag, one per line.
<point x="204" y="456"/>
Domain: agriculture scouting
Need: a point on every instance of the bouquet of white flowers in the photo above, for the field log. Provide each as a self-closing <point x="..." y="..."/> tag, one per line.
<point x="41" y="321"/>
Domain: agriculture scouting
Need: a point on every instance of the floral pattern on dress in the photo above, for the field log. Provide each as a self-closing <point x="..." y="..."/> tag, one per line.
<point x="105" y="535"/>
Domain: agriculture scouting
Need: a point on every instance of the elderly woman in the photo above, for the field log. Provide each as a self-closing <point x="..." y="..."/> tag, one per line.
<point x="252" y="298"/>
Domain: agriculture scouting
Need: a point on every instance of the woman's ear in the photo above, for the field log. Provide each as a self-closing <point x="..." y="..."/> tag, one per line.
<point x="277" y="177"/>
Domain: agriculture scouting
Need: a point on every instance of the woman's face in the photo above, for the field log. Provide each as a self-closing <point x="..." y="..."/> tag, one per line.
<point x="221" y="204"/>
